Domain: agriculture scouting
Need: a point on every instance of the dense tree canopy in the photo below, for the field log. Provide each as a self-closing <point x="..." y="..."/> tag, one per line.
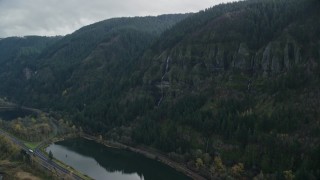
<point x="230" y="91"/>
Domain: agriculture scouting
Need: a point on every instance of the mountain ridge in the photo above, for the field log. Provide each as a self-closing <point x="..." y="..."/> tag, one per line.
<point x="232" y="87"/>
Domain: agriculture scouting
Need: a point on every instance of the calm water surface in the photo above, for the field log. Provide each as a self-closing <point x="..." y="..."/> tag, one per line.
<point x="103" y="163"/>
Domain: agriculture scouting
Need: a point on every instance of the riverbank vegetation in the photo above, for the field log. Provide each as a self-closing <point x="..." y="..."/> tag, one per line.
<point x="29" y="128"/>
<point x="36" y="128"/>
<point x="16" y="164"/>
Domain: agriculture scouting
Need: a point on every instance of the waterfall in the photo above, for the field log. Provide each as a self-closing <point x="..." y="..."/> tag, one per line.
<point x="165" y="73"/>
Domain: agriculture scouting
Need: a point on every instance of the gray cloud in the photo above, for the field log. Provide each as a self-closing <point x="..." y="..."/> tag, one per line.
<point x="60" y="17"/>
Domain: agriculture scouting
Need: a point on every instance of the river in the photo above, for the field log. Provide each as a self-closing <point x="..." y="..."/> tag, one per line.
<point x="103" y="163"/>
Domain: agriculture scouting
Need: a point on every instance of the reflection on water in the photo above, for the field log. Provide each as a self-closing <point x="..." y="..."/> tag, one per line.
<point x="102" y="163"/>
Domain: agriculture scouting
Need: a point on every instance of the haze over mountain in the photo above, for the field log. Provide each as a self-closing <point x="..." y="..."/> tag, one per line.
<point x="51" y="17"/>
<point x="231" y="91"/>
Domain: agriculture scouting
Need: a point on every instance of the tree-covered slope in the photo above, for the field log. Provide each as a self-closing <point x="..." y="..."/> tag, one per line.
<point x="232" y="91"/>
<point x="87" y="67"/>
<point x="17" y="57"/>
<point x="13" y="48"/>
<point x="240" y="82"/>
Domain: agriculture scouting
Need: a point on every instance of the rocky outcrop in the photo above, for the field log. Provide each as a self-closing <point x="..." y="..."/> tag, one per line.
<point x="291" y="54"/>
<point x="27" y="73"/>
<point x="243" y="58"/>
<point x="276" y="58"/>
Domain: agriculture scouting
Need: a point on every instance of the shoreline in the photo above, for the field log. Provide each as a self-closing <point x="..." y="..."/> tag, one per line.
<point x="148" y="153"/>
<point x="144" y="151"/>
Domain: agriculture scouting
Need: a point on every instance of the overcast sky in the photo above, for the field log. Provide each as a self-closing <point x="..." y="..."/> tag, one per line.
<point x="60" y="17"/>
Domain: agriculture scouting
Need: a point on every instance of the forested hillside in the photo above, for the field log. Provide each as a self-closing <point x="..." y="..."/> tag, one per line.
<point x="77" y="69"/>
<point x="231" y="91"/>
<point x="17" y="57"/>
<point x="238" y="82"/>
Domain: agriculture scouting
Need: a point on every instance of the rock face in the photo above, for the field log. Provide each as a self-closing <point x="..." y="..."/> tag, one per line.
<point x="180" y="67"/>
<point x="27" y="73"/>
<point x="291" y="55"/>
<point x="270" y="62"/>
<point x="277" y="58"/>
<point x="243" y="57"/>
